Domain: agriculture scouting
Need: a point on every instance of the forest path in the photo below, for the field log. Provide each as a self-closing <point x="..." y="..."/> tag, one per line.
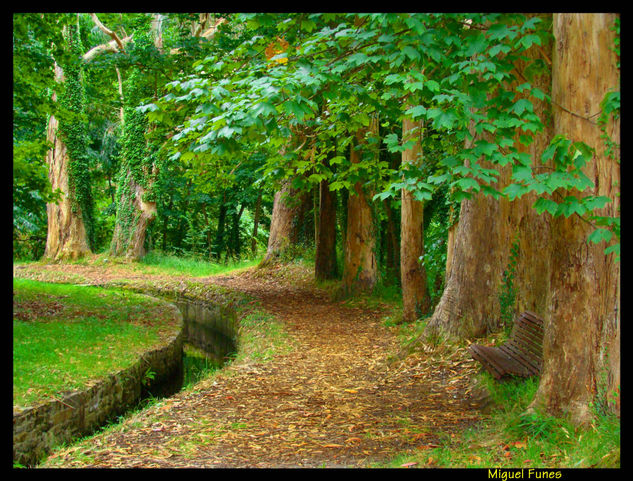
<point x="334" y="400"/>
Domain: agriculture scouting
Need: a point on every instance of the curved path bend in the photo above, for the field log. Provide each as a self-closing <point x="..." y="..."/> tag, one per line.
<point x="334" y="400"/>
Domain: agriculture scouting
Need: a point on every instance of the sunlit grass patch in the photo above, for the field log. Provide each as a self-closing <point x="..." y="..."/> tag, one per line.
<point x="65" y="337"/>
<point x="156" y="262"/>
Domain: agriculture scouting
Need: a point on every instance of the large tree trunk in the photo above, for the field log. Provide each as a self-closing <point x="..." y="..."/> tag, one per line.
<point x="325" y="266"/>
<point x="415" y="294"/>
<point x="469" y="306"/>
<point x="133" y="216"/>
<point x="360" y="271"/>
<point x="287" y="206"/>
<point x="66" y="235"/>
<point x="134" y="210"/>
<point x="478" y="250"/>
<point x="582" y="331"/>
<point x="219" y="242"/>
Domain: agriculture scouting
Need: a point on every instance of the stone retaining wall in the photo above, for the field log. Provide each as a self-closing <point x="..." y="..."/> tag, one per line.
<point x="37" y="429"/>
<point x="210" y="327"/>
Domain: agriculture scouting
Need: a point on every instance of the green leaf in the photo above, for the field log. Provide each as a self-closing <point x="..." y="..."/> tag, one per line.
<point x="433" y="86"/>
<point x="521" y="173"/>
<point x="600" y="235"/>
<point x="468" y="183"/>
<point x="571" y="206"/>
<point x="592" y="203"/>
<point x="522" y="105"/>
<point x="264" y="108"/>
<point x="541" y="205"/>
<point x="416" y="112"/>
<point x="615" y="248"/>
<point x="514" y="191"/>
<point x="411" y="52"/>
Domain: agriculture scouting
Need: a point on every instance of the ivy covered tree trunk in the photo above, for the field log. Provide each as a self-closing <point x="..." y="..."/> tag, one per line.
<point x="360" y="271"/>
<point x="70" y="221"/>
<point x="582" y="330"/>
<point x="325" y="266"/>
<point x="136" y="206"/>
<point x="415" y="294"/>
<point x="66" y="237"/>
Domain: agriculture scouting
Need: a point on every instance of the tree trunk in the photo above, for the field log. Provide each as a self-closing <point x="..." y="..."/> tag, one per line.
<point x="478" y="248"/>
<point x="450" y="244"/>
<point x="133" y="216"/>
<point x="135" y="205"/>
<point x="287" y="206"/>
<point x="235" y="246"/>
<point x="66" y="235"/>
<point x="360" y="271"/>
<point x="325" y="262"/>
<point x="582" y="330"/>
<point x="392" y="242"/>
<point x="258" y="210"/>
<point x="219" y="243"/>
<point x="415" y="293"/>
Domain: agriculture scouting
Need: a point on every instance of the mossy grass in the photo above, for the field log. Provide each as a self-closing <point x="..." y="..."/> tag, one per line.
<point x="65" y="337"/>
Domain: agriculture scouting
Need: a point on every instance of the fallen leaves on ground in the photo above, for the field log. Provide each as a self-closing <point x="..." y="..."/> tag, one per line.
<point x="337" y="399"/>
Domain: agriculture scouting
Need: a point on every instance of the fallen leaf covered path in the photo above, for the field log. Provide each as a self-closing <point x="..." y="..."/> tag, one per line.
<point x="334" y="400"/>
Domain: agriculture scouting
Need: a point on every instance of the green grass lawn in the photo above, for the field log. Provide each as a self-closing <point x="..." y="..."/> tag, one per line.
<point x="158" y="263"/>
<point x="65" y="336"/>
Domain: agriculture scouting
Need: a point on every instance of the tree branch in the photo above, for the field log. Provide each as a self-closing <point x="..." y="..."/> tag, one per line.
<point x="107" y="31"/>
<point x="111" y="46"/>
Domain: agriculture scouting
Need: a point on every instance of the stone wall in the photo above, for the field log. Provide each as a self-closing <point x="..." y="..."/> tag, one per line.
<point x="38" y="428"/>
<point x="210" y="327"/>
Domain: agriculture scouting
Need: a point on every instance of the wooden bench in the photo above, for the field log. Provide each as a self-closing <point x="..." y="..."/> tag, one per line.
<point x="521" y="355"/>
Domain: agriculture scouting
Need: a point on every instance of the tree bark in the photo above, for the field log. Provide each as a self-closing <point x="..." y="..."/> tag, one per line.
<point x="219" y="242"/>
<point x="287" y="205"/>
<point x="133" y="216"/>
<point x="66" y="235"/>
<point x="582" y="330"/>
<point x="137" y="174"/>
<point x="478" y="249"/>
<point x="415" y="294"/>
<point x="325" y="266"/>
<point x="360" y="271"/>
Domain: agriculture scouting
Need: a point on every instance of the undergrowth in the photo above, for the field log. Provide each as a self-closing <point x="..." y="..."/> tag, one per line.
<point x="514" y="437"/>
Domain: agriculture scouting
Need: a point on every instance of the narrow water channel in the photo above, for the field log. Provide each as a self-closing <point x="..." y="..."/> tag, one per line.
<point x="212" y="331"/>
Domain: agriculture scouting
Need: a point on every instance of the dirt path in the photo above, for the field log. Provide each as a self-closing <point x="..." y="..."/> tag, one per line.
<point x="335" y="400"/>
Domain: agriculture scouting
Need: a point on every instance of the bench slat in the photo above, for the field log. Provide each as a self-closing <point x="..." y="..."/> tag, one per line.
<point x="521" y="355"/>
